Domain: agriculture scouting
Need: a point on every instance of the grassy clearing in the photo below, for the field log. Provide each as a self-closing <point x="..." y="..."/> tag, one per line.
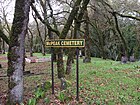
<point x="109" y="82"/>
<point x="102" y="82"/>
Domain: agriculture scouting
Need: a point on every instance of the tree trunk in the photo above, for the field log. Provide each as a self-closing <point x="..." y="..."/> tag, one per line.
<point x="2" y="35"/>
<point x="69" y="61"/>
<point x="16" y="52"/>
<point x="31" y="48"/>
<point x="43" y="49"/>
<point x="63" y="35"/>
<point x="87" y="58"/>
<point x="3" y="47"/>
<point x="101" y="44"/>
<point x="30" y="39"/>
<point x="0" y="46"/>
<point x="125" y="47"/>
<point x="71" y="19"/>
<point x="40" y="36"/>
<point x="70" y="58"/>
<point x="54" y="56"/>
<point x="77" y="25"/>
<point x="60" y="68"/>
<point x="71" y="51"/>
<point x="60" y="64"/>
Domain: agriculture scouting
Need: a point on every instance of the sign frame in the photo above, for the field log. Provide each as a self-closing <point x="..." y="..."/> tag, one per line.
<point x="68" y="43"/>
<point x="81" y="44"/>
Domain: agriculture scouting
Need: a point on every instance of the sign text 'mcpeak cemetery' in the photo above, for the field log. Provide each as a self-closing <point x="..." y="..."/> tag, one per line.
<point x="65" y="43"/>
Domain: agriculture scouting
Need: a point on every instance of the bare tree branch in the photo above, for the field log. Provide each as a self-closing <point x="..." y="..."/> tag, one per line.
<point x="44" y="21"/>
<point x="54" y="20"/>
<point x="6" y="22"/>
<point x="118" y="29"/>
<point x="70" y="19"/>
<point x="112" y="11"/>
<point x="4" y="37"/>
<point x="127" y="16"/>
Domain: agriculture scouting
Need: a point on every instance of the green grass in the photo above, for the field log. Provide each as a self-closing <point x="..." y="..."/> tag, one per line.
<point x="102" y="82"/>
<point x="109" y="82"/>
<point x="39" y="55"/>
<point x="3" y="60"/>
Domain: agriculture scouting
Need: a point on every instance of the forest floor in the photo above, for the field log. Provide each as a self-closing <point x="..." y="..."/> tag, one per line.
<point x="102" y="82"/>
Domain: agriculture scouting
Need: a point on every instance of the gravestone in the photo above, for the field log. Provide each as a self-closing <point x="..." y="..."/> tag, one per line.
<point x="30" y="60"/>
<point x="63" y="83"/>
<point x="80" y="53"/>
<point x="132" y="58"/>
<point x="124" y="59"/>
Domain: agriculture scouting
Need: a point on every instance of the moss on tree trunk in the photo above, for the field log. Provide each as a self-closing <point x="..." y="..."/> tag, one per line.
<point x="16" y="52"/>
<point x="60" y="64"/>
<point x="69" y="60"/>
<point x="87" y="39"/>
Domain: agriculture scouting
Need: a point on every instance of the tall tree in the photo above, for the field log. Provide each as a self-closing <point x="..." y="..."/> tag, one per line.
<point x="16" y="52"/>
<point x="77" y="24"/>
<point x="87" y="38"/>
<point x="65" y="30"/>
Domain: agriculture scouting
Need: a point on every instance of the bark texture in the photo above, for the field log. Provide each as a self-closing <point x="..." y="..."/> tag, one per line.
<point x="77" y="25"/>
<point x="87" y="58"/>
<point x="2" y="35"/>
<point x="30" y="39"/>
<point x="60" y="64"/>
<point x="3" y="47"/>
<point x="125" y="47"/>
<point x="69" y="61"/>
<point x="16" y="52"/>
<point x="63" y="35"/>
<point x="0" y="46"/>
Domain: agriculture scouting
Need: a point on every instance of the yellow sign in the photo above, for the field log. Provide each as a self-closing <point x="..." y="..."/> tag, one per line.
<point x="65" y="43"/>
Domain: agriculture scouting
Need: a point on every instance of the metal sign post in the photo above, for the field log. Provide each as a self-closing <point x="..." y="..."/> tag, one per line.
<point x="76" y="43"/>
<point x="77" y="74"/>
<point x="52" y="51"/>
